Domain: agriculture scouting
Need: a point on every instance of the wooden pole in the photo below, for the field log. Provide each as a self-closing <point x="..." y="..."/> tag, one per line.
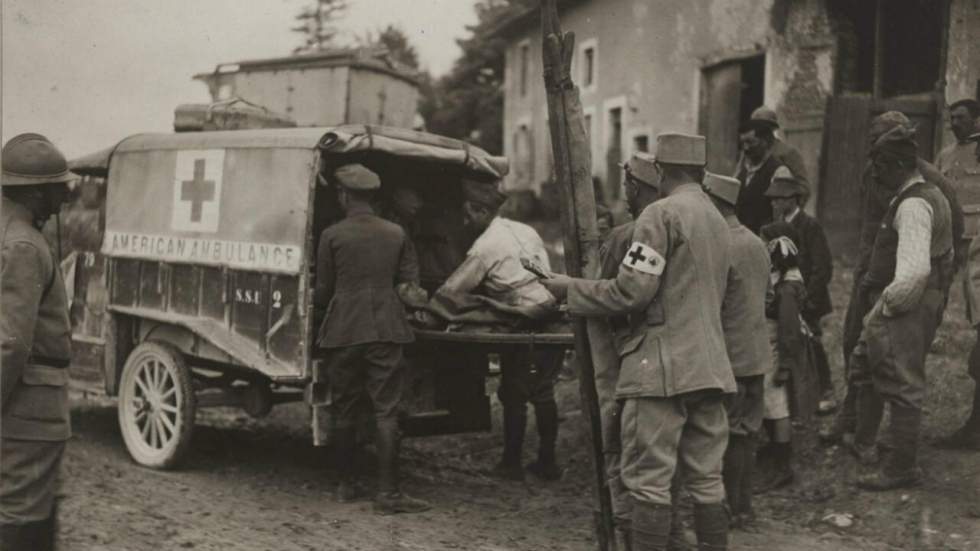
<point x="573" y="170"/>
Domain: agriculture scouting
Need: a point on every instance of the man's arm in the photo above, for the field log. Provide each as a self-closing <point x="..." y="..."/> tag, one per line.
<point x="913" y="222"/>
<point x="22" y="282"/>
<point x="638" y="279"/>
<point x="822" y="264"/>
<point x="325" y="276"/>
<point x="466" y="278"/>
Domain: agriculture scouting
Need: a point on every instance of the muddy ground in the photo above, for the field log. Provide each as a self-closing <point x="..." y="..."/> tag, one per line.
<point x="260" y="485"/>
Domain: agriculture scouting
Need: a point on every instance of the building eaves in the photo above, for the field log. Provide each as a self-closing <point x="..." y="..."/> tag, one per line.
<point x="514" y="23"/>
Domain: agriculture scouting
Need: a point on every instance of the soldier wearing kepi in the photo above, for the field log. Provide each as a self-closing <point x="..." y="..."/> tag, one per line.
<point x="908" y="275"/>
<point x="360" y="261"/>
<point x="605" y="335"/>
<point x="743" y="319"/>
<point x="35" y="345"/>
<point x="674" y="367"/>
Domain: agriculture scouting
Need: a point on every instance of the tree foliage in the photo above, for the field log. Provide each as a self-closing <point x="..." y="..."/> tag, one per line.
<point x="317" y="25"/>
<point x="468" y="102"/>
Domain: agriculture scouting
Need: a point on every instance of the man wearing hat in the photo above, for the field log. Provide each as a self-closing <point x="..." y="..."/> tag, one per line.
<point x="743" y="319"/>
<point x="360" y="261"/>
<point x="756" y="141"/>
<point x="907" y="279"/>
<point x="493" y="269"/>
<point x="875" y="199"/>
<point x="607" y="334"/>
<point x="674" y="368"/>
<point x="788" y="195"/>
<point x="784" y="153"/>
<point x="35" y="345"/>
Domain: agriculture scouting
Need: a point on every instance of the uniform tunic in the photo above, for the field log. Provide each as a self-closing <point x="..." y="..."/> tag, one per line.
<point x="35" y="340"/>
<point x="674" y="366"/>
<point x="743" y="319"/>
<point x="360" y="260"/>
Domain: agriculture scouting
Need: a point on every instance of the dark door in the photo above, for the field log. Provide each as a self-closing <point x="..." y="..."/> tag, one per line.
<point x="846" y="154"/>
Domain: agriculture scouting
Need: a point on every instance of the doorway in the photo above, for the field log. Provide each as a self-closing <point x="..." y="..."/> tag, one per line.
<point x="730" y="91"/>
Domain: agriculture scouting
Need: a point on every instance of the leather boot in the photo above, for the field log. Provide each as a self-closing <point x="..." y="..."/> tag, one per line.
<point x="901" y="469"/>
<point x="746" y="514"/>
<point x="870" y="409"/>
<point x="732" y="473"/>
<point x="390" y="499"/>
<point x="34" y="536"/>
<point x="545" y="467"/>
<point x="711" y="526"/>
<point x="515" y="424"/>
<point x="845" y="420"/>
<point x="344" y="442"/>
<point x="650" y="526"/>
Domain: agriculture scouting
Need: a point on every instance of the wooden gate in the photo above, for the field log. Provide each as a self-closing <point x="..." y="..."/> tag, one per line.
<point x="846" y="155"/>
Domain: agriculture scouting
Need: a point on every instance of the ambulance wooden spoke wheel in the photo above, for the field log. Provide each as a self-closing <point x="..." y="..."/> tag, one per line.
<point x="157" y="405"/>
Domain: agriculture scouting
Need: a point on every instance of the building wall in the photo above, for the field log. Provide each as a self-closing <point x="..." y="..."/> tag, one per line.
<point x="312" y="97"/>
<point x="963" y="57"/>
<point x="649" y="62"/>
<point x="377" y="98"/>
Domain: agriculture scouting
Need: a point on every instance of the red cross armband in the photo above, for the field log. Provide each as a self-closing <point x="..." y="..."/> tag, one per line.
<point x="643" y="258"/>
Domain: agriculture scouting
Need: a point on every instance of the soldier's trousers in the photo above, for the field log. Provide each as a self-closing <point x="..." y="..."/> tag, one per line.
<point x="660" y="435"/>
<point x="372" y="368"/>
<point x="29" y="482"/>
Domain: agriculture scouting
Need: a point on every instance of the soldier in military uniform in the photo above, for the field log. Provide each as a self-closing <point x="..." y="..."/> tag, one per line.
<point x="743" y="319"/>
<point x="605" y="335"/>
<point x="908" y="277"/>
<point x="360" y="261"/>
<point x="674" y="367"/>
<point x="35" y="341"/>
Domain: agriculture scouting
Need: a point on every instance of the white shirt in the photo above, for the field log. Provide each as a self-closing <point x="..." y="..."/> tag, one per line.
<point x="792" y="216"/>
<point x="913" y="222"/>
<point x="493" y="264"/>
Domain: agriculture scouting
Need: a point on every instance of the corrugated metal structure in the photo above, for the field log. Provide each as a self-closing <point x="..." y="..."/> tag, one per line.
<point x="323" y="89"/>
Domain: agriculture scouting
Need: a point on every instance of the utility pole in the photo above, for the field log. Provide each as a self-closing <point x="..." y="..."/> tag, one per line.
<point x="573" y="169"/>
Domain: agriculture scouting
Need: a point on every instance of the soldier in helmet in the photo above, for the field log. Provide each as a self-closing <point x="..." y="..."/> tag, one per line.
<point x="35" y="345"/>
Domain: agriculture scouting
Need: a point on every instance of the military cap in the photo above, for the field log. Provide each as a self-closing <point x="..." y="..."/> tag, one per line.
<point x="680" y="149"/>
<point x="766" y="115"/>
<point x="31" y="159"/>
<point x="357" y="177"/>
<point x="642" y="167"/>
<point x="899" y="143"/>
<point x="483" y="193"/>
<point x="724" y="188"/>
<point x="784" y="184"/>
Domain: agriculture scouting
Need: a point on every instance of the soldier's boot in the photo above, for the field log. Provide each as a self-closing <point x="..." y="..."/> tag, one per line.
<point x="747" y="514"/>
<point x="732" y="473"/>
<point x="711" y="526"/>
<point x="870" y="409"/>
<point x="545" y="467"/>
<point x="966" y="437"/>
<point x="515" y="424"/>
<point x="650" y="526"/>
<point x="900" y="470"/>
<point x="390" y="499"/>
<point x="844" y="422"/>
<point x="344" y="443"/>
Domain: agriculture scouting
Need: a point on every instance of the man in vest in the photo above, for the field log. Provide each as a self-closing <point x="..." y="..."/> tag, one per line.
<point x="35" y="345"/>
<point x="907" y="279"/>
<point x="756" y="140"/>
<point x="784" y="153"/>
<point x="874" y="203"/>
<point x="674" y="370"/>
<point x="360" y="261"/>
<point x="606" y="334"/>
<point x="743" y="319"/>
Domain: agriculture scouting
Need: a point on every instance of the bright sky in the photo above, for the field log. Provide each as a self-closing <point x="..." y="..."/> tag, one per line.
<point x="88" y="73"/>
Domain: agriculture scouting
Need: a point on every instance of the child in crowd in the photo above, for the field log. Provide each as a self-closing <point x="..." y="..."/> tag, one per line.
<point x="790" y="388"/>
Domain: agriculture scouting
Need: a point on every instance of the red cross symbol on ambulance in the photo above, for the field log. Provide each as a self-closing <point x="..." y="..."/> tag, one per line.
<point x="197" y="190"/>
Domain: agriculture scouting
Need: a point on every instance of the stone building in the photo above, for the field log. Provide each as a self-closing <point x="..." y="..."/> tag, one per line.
<point x="825" y="66"/>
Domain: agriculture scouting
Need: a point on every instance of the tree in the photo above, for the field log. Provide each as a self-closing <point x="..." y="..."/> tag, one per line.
<point x="393" y="39"/>
<point x="316" y="24"/>
<point x="468" y="102"/>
